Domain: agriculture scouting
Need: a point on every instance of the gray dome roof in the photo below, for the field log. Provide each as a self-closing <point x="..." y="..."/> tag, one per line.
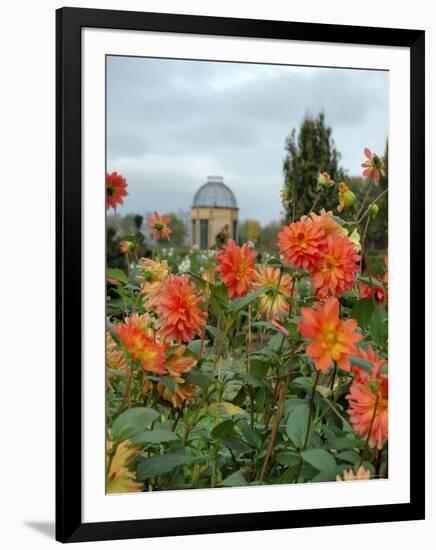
<point x="215" y="193"/>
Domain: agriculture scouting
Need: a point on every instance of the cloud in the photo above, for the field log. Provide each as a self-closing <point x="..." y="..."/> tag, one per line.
<point x="172" y="122"/>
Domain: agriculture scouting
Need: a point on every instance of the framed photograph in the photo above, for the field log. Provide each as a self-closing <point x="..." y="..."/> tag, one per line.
<point x="240" y="229"/>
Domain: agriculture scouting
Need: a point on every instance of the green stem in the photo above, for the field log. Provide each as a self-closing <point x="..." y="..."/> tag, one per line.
<point x="283" y="392"/>
<point x="371" y="182"/>
<point x="382" y="194"/>
<point x="309" y="424"/>
<point x="315" y="202"/>
<point x="203" y="399"/>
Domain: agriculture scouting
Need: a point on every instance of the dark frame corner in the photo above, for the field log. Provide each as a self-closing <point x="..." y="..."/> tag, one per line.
<point x="69" y="22"/>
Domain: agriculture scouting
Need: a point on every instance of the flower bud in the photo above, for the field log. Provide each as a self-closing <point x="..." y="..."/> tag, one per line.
<point x="346" y="197"/>
<point x="286" y="196"/>
<point x="324" y="180"/>
<point x="127" y="247"/>
<point x="373" y="210"/>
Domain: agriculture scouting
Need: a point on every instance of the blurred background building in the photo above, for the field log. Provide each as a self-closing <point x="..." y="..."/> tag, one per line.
<point x="214" y="214"/>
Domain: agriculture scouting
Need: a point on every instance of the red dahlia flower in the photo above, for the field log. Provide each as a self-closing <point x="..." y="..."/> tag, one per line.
<point x="138" y="339"/>
<point x="302" y="243"/>
<point x="116" y="189"/>
<point x="159" y="226"/>
<point x="368" y="410"/>
<point x="179" y="309"/>
<point x="335" y="271"/>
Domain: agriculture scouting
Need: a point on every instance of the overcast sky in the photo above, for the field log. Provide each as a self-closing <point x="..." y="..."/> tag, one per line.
<point x="172" y="123"/>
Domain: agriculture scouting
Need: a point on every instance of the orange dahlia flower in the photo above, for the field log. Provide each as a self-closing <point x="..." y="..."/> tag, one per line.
<point x="138" y="339"/>
<point x="178" y="364"/>
<point x="179" y="395"/>
<point x="278" y="286"/>
<point x="302" y="243"/>
<point x="326" y="221"/>
<point x="178" y="307"/>
<point x="368" y="410"/>
<point x="361" y="376"/>
<point x="152" y="274"/>
<point x="236" y="265"/>
<point x="335" y="271"/>
<point x="349" y="475"/>
<point x="115" y="359"/>
<point x="374" y="166"/>
<point x="116" y="189"/>
<point x="332" y="339"/>
<point x="159" y="226"/>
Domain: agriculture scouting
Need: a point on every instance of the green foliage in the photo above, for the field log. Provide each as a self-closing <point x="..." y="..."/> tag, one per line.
<point x="133" y="422"/>
<point x="160" y="464"/>
<point x="362" y="311"/>
<point x="321" y="460"/>
<point x="309" y="153"/>
<point x="296" y="426"/>
<point x="155" y="436"/>
<point x="379" y="326"/>
<point x="249" y="230"/>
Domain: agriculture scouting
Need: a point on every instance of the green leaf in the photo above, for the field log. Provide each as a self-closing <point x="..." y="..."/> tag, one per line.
<point x="166" y="380"/>
<point x="194" y="347"/>
<point x="241" y="303"/>
<point x="198" y="378"/>
<point x="155" y="436"/>
<point x="341" y="443"/>
<point x="362" y="311"/>
<point x="348" y="456"/>
<point x="224" y="408"/>
<point x="259" y="399"/>
<point x="361" y="363"/>
<point x="251" y="436"/>
<point x="216" y="333"/>
<point x="224" y="429"/>
<point x="288" y="459"/>
<point x="237" y="479"/>
<point x="161" y="464"/>
<point x="264" y="324"/>
<point x="117" y="274"/>
<point x="239" y="341"/>
<point x="237" y="445"/>
<point x="373" y="282"/>
<point x="321" y="460"/>
<point x="219" y="291"/>
<point x="296" y="425"/>
<point x="252" y="380"/>
<point x="323" y="476"/>
<point x="379" y="326"/>
<point x="304" y="382"/>
<point x="132" y="422"/>
<point x="291" y="403"/>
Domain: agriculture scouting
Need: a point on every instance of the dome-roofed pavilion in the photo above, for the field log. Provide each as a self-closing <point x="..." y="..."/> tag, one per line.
<point x="215" y="193"/>
<point x="214" y="214"/>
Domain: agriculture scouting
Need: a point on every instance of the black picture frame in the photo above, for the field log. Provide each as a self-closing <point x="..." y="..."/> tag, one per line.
<point x="69" y="23"/>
